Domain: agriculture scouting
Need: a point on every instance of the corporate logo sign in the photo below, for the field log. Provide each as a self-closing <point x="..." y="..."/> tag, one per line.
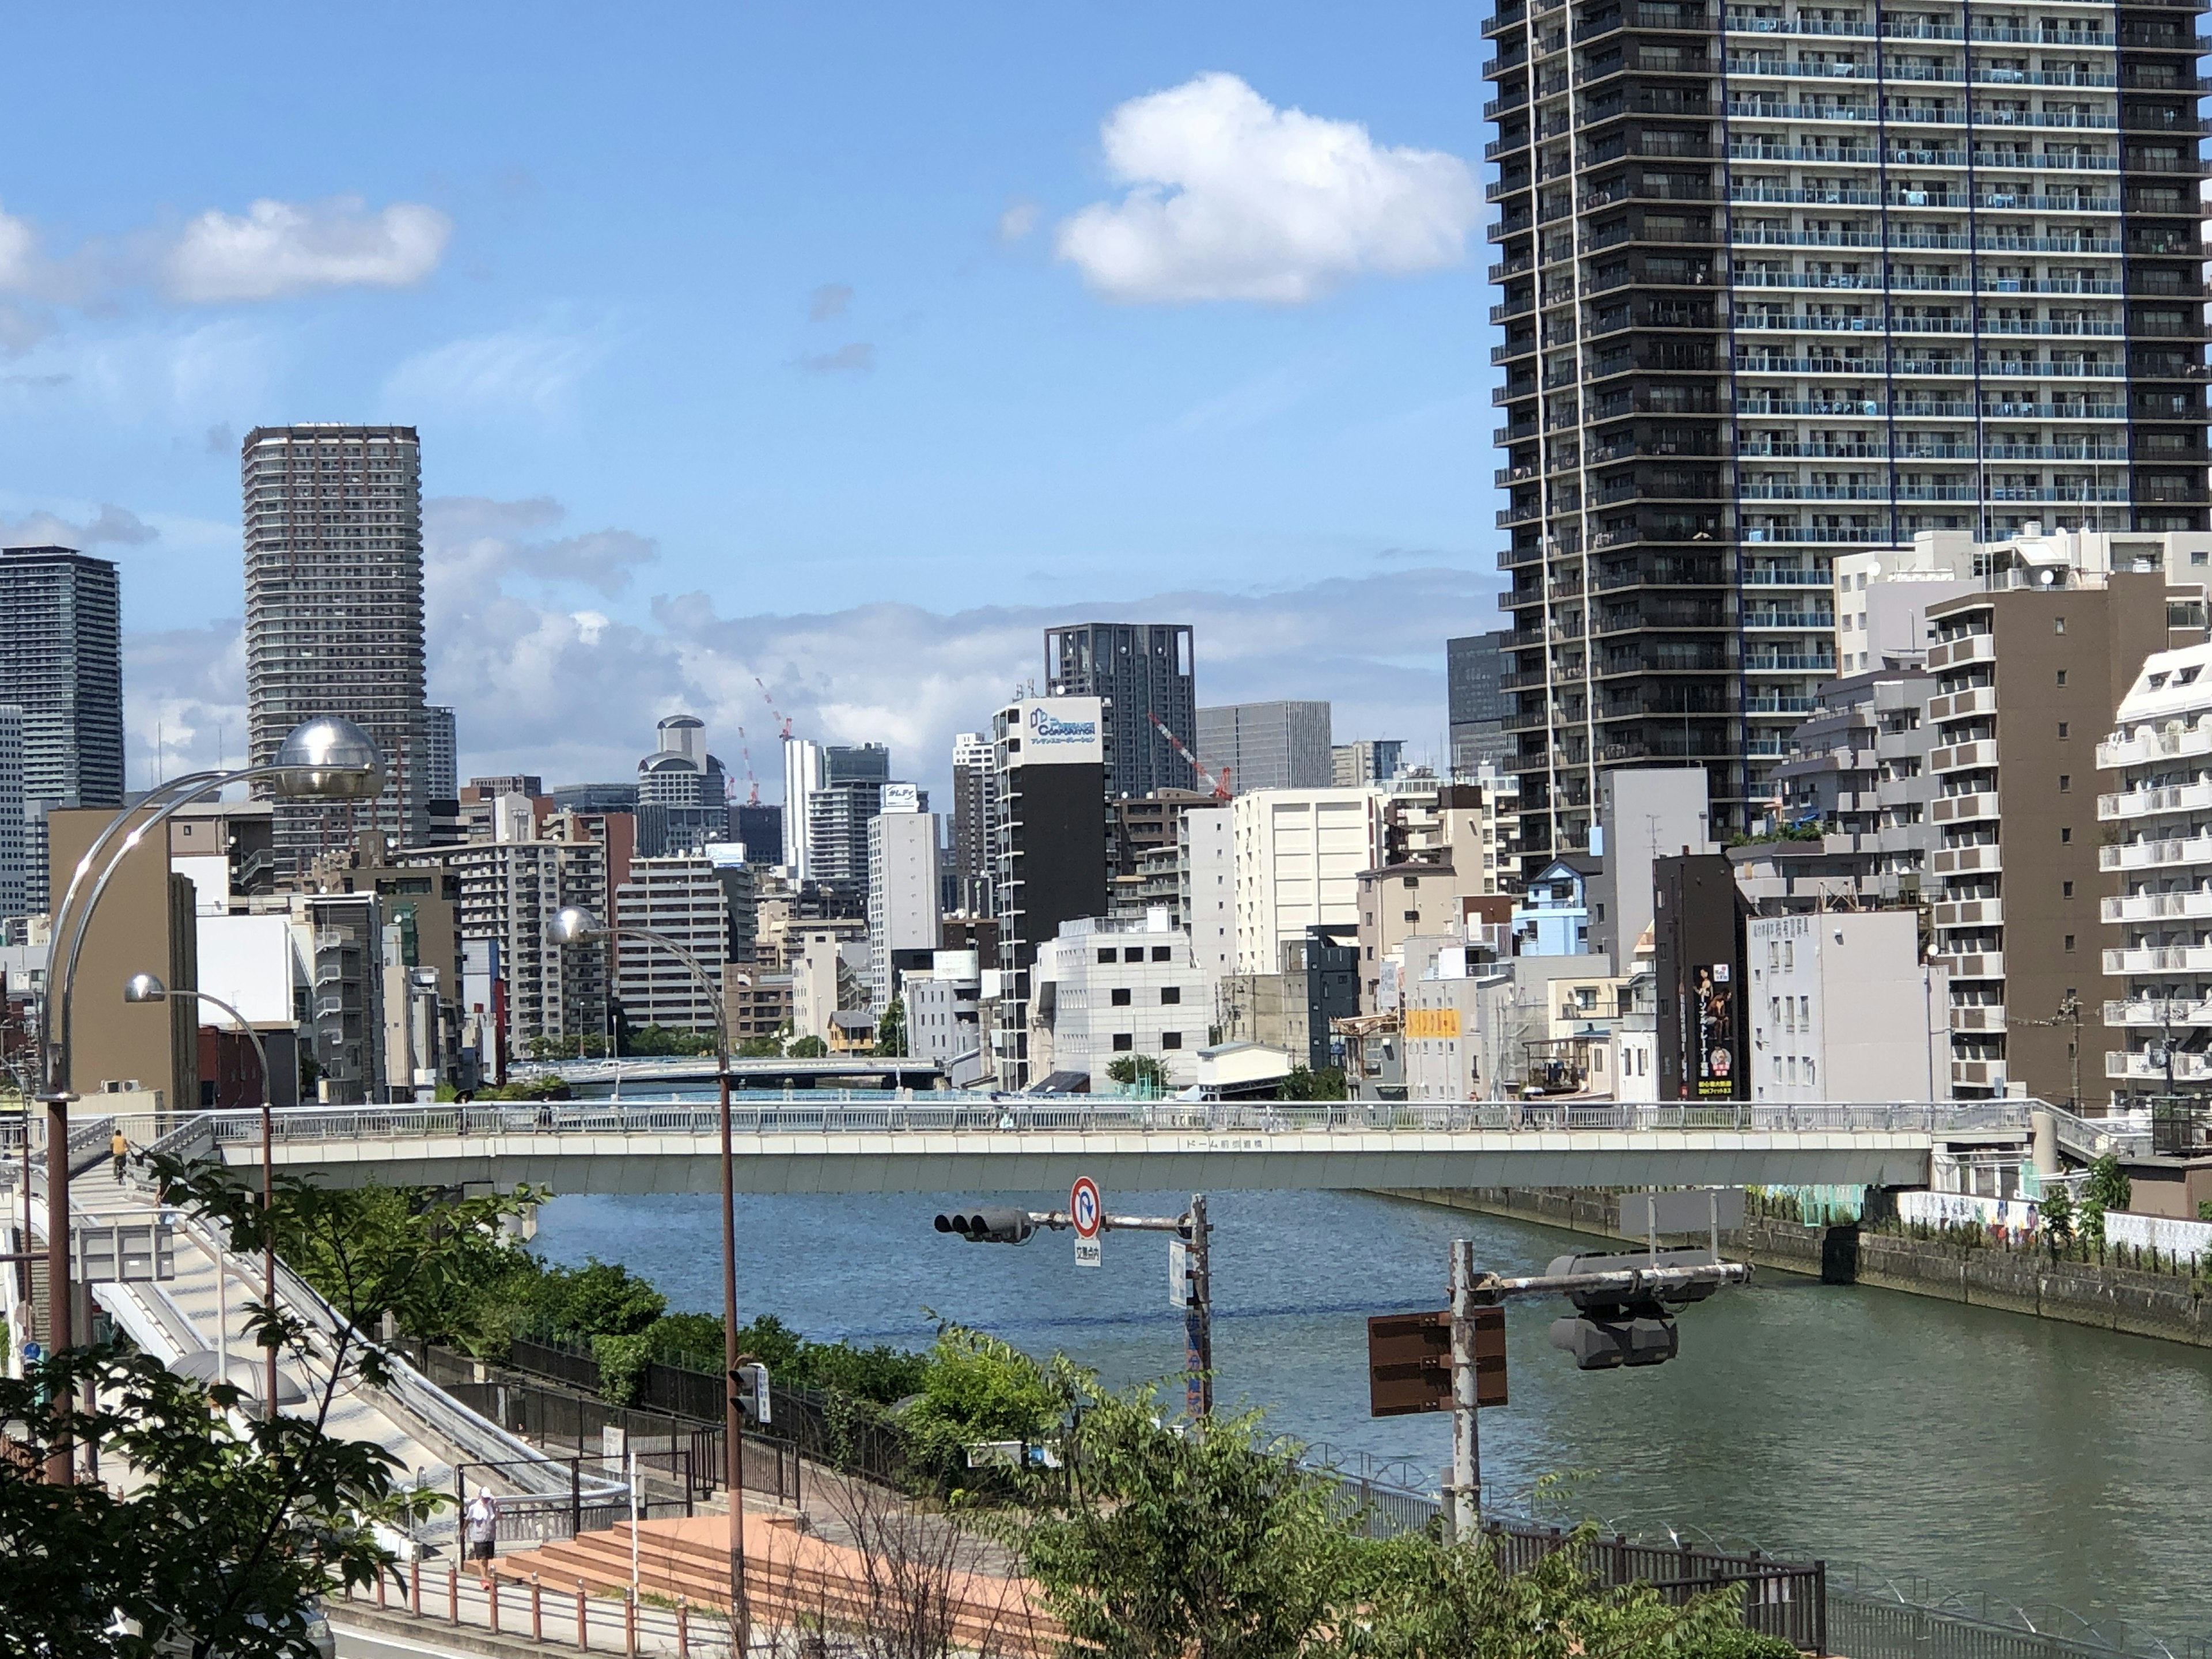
<point x="1063" y="732"/>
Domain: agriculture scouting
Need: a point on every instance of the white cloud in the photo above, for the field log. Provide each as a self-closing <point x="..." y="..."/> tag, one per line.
<point x="529" y="370"/>
<point x="857" y="358"/>
<point x="18" y="253"/>
<point x="110" y="526"/>
<point x="542" y="683"/>
<point x="1019" y="219"/>
<point x="1232" y="198"/>
<point x="278" y="248"/>
<point x="830" y="300"/>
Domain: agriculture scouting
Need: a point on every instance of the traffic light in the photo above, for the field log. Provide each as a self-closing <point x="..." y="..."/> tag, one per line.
<point x="998" y="1224"/>
<point x="1616" y="1327"/>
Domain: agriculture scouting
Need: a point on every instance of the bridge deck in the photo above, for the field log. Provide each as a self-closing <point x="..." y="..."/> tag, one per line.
<point x="936" y="1144"/>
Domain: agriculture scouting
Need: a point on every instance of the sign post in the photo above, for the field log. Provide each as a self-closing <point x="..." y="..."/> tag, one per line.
<point x="1086" y="1210"/>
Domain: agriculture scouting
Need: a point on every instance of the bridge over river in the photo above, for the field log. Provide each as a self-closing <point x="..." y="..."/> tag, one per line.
<point x="815" y="1141"/>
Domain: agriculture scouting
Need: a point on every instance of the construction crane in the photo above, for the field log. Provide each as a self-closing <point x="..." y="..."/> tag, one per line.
<point x="782" y="720"/>
<point x="745" y="749"/>
<point x="1218" y="786"/>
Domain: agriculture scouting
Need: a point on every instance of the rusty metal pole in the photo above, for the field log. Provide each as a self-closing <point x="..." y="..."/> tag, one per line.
<point x="732" y="1419"/>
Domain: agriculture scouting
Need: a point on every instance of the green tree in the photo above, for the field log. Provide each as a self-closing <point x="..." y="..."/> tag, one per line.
<point x="601" y="1298"/>
<point x="226" y="1530"/>
<point x="807" y="1048"/>
<point x="230" y="1523"/>
<point x="890" y="1028"/>
<point x="2108" y="1186"/>
<point x="760" y="1048"/>
<point x="977" y="1387"/>
<point x="1327" y="1083"/>
<point x="2058" y="1213"/>
<point x="1209" y="1542"/>
<point x="650" y="1040"/>
<point x="1420" y="1598"/>
<point x="1138" y="1071"/>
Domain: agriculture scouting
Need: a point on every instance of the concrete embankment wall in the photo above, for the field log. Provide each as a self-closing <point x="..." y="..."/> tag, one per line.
<point x="2175" y="1307"/>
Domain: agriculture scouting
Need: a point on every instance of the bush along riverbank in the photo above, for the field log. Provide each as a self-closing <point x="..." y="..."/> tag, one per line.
<point x="487" y="1296"/>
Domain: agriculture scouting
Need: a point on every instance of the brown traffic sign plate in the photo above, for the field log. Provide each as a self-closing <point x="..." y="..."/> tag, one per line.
<point x="1409" y="1362"/>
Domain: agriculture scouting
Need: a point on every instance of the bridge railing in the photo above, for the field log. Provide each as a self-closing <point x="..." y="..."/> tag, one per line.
<point x="981" y="1114"/>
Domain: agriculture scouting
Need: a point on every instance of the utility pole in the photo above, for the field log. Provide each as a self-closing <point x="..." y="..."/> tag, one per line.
<point x="1198" y="1312"/>
<point x="1466" y="1437"/>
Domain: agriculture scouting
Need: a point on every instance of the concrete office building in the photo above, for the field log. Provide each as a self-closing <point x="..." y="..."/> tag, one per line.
<point x="1841" y="1007"/>
<point x="759" y="829"/>
<point x="1644" y="814"/>
<point x="61" y="663"/>
<point x="688" y="784"/>
<point x="903" y="891"/>
<point x="837" y="818"/>
<point x="1051" y="759"/>
<point x="1705" y="402"/>
<point x="1206" y="888"/>
<point x="1371" y="760"/>
<point x="2156" y="908"/>
<point x="970" y="848"/>
<point x="1476" y="704"/>
<point x="1299" y="854"/>
<point x="334" y="616"/>
<point x="1140" y="670"/>
<point x="802" y="776"/>
<point x="1857" y="768"/>
<point x="682" y="898"/>
<point x="510" y="889"/>
<point x="1268" y="745"/>
<point x="15" y="886"/>
<point x="2028" y="675"/>
<point x="942" y="1009"/>
<point x="144" y="924"/>
<point x="1104" y="990"/>
<point x="440" y="754"/>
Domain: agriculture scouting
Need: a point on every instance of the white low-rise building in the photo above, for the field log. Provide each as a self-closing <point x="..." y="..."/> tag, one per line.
<point x="1842" y="1007"/>
<point x="1104" y="990"/>
<point x="2156" y="812"/>
<point x="1299" y="854"/>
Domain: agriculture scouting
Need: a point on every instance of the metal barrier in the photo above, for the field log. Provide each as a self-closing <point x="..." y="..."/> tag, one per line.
<point x="943" y="1113"/>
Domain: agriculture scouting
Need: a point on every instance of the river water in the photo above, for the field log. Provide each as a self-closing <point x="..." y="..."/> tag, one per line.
<point x="2029" y="1462"/>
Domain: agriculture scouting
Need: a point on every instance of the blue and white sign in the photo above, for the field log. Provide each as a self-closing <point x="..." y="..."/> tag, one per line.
<point x="1062" y="730"/>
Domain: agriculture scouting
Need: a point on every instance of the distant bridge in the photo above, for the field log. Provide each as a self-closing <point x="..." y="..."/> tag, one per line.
<point x="653" y="1076"/>
<point x="945" y="1142"/>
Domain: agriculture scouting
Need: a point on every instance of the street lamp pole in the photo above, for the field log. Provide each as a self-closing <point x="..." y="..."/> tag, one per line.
<point x="327" y="759"/>
<point x="572" y="926"/>
<point x="145" y="987"/>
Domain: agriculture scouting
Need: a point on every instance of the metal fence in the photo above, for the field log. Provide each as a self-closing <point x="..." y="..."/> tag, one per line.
<point x="1780" y="1598"/>
<point x="685" y="1451"/>
<point x="827" y="1429"/>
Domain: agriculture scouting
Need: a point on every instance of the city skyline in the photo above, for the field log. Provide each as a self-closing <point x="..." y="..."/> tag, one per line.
<point x="935" y="395"/>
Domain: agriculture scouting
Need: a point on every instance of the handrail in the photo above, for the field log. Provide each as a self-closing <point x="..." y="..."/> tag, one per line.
<point x="942" y="1114"/>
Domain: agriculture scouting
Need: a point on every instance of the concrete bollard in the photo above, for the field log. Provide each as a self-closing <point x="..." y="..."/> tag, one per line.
<point x="537" y="1611"/>
<point x="583" y="1623"/>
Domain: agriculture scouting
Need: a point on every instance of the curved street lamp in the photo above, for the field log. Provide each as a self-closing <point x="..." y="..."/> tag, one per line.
<point x="327" y="758"/>
<point x="146" y="987"/>
<point x="572" y="926"/>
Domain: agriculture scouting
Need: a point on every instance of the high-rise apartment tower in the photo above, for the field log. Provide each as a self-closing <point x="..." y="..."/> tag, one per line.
<point x="1779" y="282"/>
<point x="61" y="662"/>
<point x="334" y="614"/>
<point x="1141" y="669"/>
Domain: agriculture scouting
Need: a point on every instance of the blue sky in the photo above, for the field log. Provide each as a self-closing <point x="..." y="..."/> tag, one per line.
<point x="846" y="350"/>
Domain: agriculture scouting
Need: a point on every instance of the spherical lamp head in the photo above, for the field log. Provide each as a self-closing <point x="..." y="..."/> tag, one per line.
<point x="573" y="925"/>
<point x="330" y="758"/>
<point x="144" y="988"/>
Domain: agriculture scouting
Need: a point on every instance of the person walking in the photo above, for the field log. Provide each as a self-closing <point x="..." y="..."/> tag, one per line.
<point x="120" y="1148"/>
<point x="482" y="1517"/>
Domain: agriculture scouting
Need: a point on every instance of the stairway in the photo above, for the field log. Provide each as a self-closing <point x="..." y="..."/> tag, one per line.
<point x="792" y="1577"/>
